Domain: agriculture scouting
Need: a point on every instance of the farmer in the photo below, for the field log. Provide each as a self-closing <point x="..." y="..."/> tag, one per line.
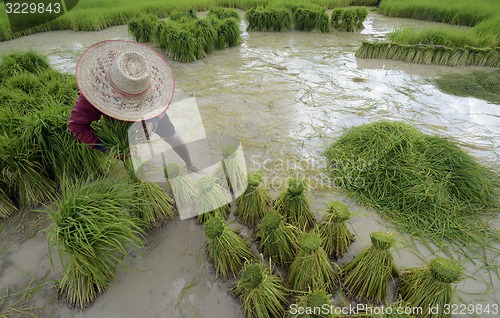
<point x="127" y="81"/>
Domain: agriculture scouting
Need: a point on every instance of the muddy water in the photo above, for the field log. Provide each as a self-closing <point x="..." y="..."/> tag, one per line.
<point x="286" y="96"/>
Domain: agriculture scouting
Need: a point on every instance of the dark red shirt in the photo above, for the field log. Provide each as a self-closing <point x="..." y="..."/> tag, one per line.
<point x="82" y="115"/>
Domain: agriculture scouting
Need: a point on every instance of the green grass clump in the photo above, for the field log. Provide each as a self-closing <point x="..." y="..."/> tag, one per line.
<point x="277" y="239"/>
<point x="432" y="286"/>
<point x="92" y="231"/>
<point x="141" y="28"/>
<point x="312" y="269"/>
<point x="263" y="294"/>
<point x="367" y="275"/>
<point x="426" y="184"/>
<point x="333" y="229"/>
<point x="349" y="19"/>
<point x="272" y="18"/>
<point x="482" y="85"/>
<point x="254" y="203"/>
<point x="211" y="200"/>
<point x="292" y="203"/>
<point x="182" y="185"/>
<point x="311" y="19"/>
<point x="225" y="248"/>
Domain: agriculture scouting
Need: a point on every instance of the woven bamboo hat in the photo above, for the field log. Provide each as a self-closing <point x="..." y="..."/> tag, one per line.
<point x="125" y="80"/>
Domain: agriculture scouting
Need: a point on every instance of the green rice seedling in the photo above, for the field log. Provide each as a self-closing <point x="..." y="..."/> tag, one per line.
<point x="408" y="173"/>
<point x="231" y="171"/>
<point x="225" y="248"/>
<point x="254" y="203"/>
<point x="222" y="13"/>
<point x="292" y="203"/>
<point x="367" y="275"/>
<point x="113" y="134"/>
<point x="313" y="304"/>
<point x="183" y="16"/>
<point x="349" y="19"/>
<point x="20" y="62"/>
<point x="182" y="185"/>
<point x="92" y="231"/>
<point x="309" y="19"/>
<point x="181" y="44"/>
<point x="278" y="240"/>
<point x="483" y="85"/>
<point x="228" y="32"/>
<point x="7" y="207"/>
<point x="263" y="294"/>
<point x="271" y="18"/>
<point x="333" y="229"/>
<point x="311" y="268"/>
<point x="154" y="206"/>
<point x="361" y="14"/>
<point x="432" y="286"/>
<point x="211" y="197"/>
<point x="205" y="34"/>
<point x="141" y="28"/>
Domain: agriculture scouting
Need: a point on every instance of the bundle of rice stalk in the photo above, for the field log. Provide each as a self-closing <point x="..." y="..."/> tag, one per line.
<point x="367" y="275"/>
<point x="7" y="207"/>
<point x="336" y="17"/>
<point x="225" y="248"/>
<point x="182" y="185"/>
<point x="223" y="13"/>
<point x="141" y="28"/>
<point x="154" y="205"/>
<point x="311" y="19"/>
<point x="114" y="134"/>
<point x="263" y="294"/>
<point x="211" y="197"/>
<point x="183" y="16"/>
<point x="293" y="205"/>
<point x="92" y="231"/>
<point x="254" y="203"/>
<point x="181" y="44"/>
<point x="228" y="32"/>
<point x="205" y="35"/>
<point x="230" y="170"/>
<point x="361" y="14"/>
<point x="313" y="304"/>
<point x="277" y="239"/>
<point x="19" y="62"/>
<point x="312" y="268"/>
<point x="333" y="229"/>
<point x="432" y="286"/>
<point x="274" y="18"/>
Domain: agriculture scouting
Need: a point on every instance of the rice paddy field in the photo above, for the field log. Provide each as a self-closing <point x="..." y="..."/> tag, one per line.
<point x="397" y="157"/>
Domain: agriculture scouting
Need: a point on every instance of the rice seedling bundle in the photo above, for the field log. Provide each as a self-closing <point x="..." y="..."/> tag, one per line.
<point x="254" y="203"/>
<point x="141" y="28"/>
<point x="20" y="62"/>
<point x="367" y="275"/>
<point x="311" y="19"/>
<point x="277" y="239"/>
<point x="225" y="248"/>
<point x="183" y="16"/>
<point x="271" y="18"/>
<point x="92" y="231"/>
<point x="333" y="229"/>
<point x="426" y="184"/>
<point x="205" y="34"/>
<point x="154" y="205"/>
<point x="211" y="197"/>
<point x="313" y="304"/>
<point x="231" y="171"/>
<point x="311" y="268"/>
<point x="182" y="185"/>
<point x="7" y="207"/>
<point x="432" y="286"/>
<point x="263" y="294"/>
<point x="349" y="19"/>
<point x="292" y="203"/>
<point x="228" y="33"/>
<point x="221" y="13"/>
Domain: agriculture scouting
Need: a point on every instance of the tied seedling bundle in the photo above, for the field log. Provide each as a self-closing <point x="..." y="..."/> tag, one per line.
<point x="312" y="268"/>
<point x="182" y="185"/>
<point x="231" y="170"/>
<point x="270" y="18"/>
<point x="254" y="203"/>
<point x="367" y="275"/>
<point x="212" y="200"/>
<point x="349" y="19"/>
<point x="92" y="231"/>
<point x="263" y="294"/>
<point x="142" y="27"/>
<point x="311" y="18"/>
<point x="293" y="205"/>
<point x="278" y="240"/>
<point x="432" y="286"/>
<point x="225" y="248"/>
<point x="333" y="229"/>
<point x="313" y="304"/>
<point x="424" y="183"/>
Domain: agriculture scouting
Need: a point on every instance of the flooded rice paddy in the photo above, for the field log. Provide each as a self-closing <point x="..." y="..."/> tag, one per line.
<point x="286" y="96"/>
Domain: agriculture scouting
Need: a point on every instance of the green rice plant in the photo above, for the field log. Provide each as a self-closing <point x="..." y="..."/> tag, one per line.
<point x="311" y="19"/>
<point x="313" y="304"/>
<point x="141" y="28"/>
<point x="479" y="84"/>
<point x="230" y="170"/>
<point x="92" y="231"/>
<point x="222" y="13"/>
<point x="225" y="248"/>
<point x="211" y="197"/>
<point x="333" y="229"/>
<point x="228" y="32"/>
<point x="432" y="286"/>
<point x="367" y="275"/>
<point x="254" y="203"/>
<point x="426" y="184"/>
<point x="271" y="18"/>
<point x="349" y="19"/>
<point x="292" y="203"/>
<point x="205" y="34"/>
<point x="183" y="16"/>
<point x="181" y="43"/>
<point x="182" y="185"/>
<point x="114" y="134"/>
<point x="7" y="207"/>
<point x="20" y="62"/>
<point x="263" y="294"/>
<point x="311" y="268"/>
<point x="154" y="205"/>
<point x="278" y="240"/>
